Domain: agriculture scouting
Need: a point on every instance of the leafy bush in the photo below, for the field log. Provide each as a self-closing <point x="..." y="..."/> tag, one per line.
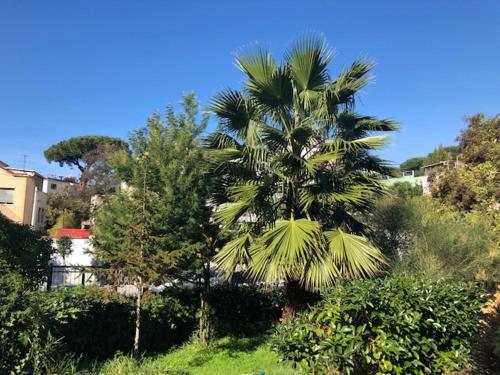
<point x="422" y="236"/>
<point x="405" y="190"/>
<point x="25" y="345"/>
<point x="245" y="310"/>
<point x="387" y="326"/>
<point x="24" y="251"/>
<point x="98" y="322"/>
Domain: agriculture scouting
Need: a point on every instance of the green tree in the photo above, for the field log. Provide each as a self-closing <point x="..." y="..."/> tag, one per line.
<point x="480" y="142"/>
<point x="412" y="164"/>
<point x="474" y="184"/>
<point x="24" y="251"/>
<point x="64" y="247"/>
<point x="67" y="208"/>
<point x="151" y="231"/>
<point x="84" y="153"/>
<point x="294" y="168"/>
<point x="441" y="153"/>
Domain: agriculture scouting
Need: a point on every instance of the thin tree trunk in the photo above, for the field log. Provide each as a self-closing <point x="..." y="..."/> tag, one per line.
<point x="139" y="278"/>
<point x="205" y="329"/>
<point x="138" y="317"/>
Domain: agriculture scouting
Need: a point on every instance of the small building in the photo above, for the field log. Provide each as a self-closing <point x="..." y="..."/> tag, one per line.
<point x="53" y="184"/>
<point x="78" y="267"/>
<point x="80" y="244"/>
<point x="22" y="199"/>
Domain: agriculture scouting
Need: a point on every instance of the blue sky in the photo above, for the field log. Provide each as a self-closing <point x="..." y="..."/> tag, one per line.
<point x="70" y="68"/>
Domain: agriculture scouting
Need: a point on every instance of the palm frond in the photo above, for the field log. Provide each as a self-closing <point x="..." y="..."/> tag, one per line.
<point x="234" y="253"/>
<point x="274" y="139"/>
<point x="354" y="255"/>
<point x="233" y="110"/>
<point x="341" y="92"/>
<point x="218" y="157"/>
<point x="357" y="194"/>
<point x="268" y="83"/>
<point x="229" y="213"/>
<point x="367" y="143"/>
<point x="220" y="140"/>
<point x="308" y="60"/>
<point x="282" y="251"/>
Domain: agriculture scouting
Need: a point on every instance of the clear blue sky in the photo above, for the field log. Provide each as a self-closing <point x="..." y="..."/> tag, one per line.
<point x="84" y="67"/>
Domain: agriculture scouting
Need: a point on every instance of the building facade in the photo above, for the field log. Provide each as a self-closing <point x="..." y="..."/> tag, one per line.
<point x="21" y="197"/>
<point x="54" y="184"/>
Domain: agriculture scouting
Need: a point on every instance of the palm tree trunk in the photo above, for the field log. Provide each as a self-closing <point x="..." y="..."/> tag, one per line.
<point x="138" y="317"/>
<point x="296" y="299"/>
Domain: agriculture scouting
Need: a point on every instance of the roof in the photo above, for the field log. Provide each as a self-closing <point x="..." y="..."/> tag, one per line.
<point x="18" y="172"/>
<point x="72" y="233"/>
<point x="60" y="178"/>
<point x="443" y="162"/>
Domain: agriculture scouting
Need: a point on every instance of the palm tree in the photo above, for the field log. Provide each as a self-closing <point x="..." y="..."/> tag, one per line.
<point x="294" y="168"/>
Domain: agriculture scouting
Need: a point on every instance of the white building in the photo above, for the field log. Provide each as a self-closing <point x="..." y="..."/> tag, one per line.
<point x="75" y="269"/>
<point x="54" y="184"/>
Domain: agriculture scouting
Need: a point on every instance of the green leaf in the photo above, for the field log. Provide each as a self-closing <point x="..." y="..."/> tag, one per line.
<point x="354" y="254"/>
<point x="234" y="253"/>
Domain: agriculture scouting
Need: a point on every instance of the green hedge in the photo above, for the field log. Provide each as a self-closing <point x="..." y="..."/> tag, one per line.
<point x="98" y="322"/>
<point x="245" y="310"/>
<point x="387" y="326"/>
<point x="25" y="345"/>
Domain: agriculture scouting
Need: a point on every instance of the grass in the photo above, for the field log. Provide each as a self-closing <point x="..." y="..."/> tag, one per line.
<point x="227" y="356"/>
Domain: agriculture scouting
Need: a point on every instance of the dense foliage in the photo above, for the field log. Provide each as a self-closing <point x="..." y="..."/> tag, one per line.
<point x="421" y="236"/>
<point x="87" y="153"/>
<point x="480" y="141"/>
<point x="157" y="226"/>
<point x="245" y="310"/>
<point x="441" y="153"/>
<point x="25" y="345"/>
<point x="67" y="208"/>
<point x="474" y="184"/>
<point x="405" y="190"/>
<point x="412" y="164"/>
<point x="24" y="251"/>
<point x="387" y="326"/>
<point x="98" y="322"/>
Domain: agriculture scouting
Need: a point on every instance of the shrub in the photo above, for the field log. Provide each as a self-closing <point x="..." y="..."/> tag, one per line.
<point x="98" y="322"/>
<point x="25" y="345"/>
<point x="422" y="236"/>
<point x="245" y="310"/>
<point x="387" y="326"/>
<point x="24" y="251"/>
<point x="405" y="190"/>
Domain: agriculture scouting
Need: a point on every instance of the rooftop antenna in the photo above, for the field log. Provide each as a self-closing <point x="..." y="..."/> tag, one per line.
<point x="25" y="160"/>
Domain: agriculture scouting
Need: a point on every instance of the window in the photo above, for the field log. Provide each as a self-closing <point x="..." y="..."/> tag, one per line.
<point x="6" y="196"/>
<point x="53" y="186"/>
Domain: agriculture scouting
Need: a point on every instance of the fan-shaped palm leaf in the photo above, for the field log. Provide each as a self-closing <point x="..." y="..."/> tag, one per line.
<point x="234" y="253"/>
<point x="354" y="255"/>
<point x="281" y="252"/>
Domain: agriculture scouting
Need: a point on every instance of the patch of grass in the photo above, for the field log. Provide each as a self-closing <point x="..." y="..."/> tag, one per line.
<point x="227" y="356"/>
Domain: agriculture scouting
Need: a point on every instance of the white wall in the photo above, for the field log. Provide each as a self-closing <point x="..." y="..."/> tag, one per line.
<point x="60" y="185"/>
<point x="78" y="257"/>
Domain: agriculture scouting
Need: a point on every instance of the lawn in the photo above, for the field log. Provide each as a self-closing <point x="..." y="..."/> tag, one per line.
<point x="227" y="356"/>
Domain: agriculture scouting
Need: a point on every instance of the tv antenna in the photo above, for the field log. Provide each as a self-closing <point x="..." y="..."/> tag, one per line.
<point x="25" y="160"/>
